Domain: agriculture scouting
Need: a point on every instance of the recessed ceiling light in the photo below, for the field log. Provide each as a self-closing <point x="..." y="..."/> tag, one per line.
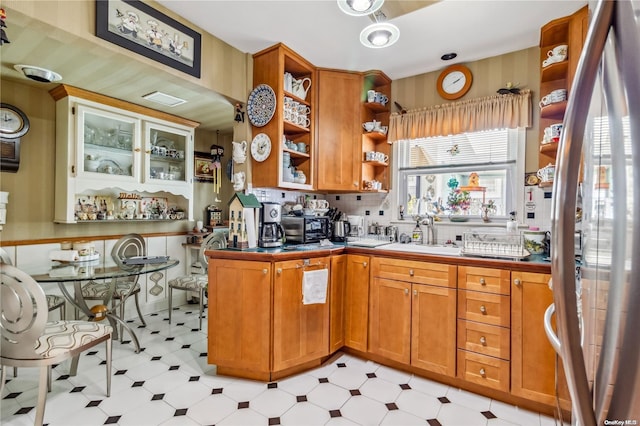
<point x="42" y="75"/>
<point x="379" y="35"/>
<point x="164" y="99"/>
<point x="359" y="7"/>
<point x="448" y="56"/>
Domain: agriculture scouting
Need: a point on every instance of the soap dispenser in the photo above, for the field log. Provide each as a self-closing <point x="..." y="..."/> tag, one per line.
<point x="416" y="236"/>
<point x="512" y="223"/>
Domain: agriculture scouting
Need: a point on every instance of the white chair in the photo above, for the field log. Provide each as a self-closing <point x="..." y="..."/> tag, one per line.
<point x="198" y="282"/>
<point x="28" y="340"/>
<point x="127" y="246"/>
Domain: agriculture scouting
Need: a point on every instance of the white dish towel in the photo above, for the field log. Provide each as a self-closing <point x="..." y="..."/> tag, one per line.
<point x="314" y="286"/>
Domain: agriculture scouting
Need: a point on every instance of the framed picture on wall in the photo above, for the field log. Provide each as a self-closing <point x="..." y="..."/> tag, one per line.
<point x="202" y="169"/>
<point x="140" y="28"/>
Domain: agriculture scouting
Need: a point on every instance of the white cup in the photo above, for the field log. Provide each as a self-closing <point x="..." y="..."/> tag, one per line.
<point x="371" y="95"/>
<point x="559" y="52"/>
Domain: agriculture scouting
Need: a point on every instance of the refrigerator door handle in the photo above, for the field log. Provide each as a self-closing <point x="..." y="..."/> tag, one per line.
<point x="548" y="329"/>
<point x="563" y="213"/>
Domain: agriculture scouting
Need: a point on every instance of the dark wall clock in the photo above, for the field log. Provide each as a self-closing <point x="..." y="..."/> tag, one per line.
<point x="13" y="125"/>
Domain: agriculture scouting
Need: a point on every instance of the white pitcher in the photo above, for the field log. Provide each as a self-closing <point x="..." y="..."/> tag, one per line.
<point x="239" y="151"/>
<point x="299" y="88"/>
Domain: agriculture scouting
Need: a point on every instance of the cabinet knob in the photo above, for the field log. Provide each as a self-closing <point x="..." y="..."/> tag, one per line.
<point x="517" y="281"/>
<point x="483" y="373"/>
<point x="415" y="292"/>
<point x="264" y="271"/>
<point x="482" y="281"/>
<point x="148" y="151"/>
<point x="364" y="264"/>
<point x="411" y="272"/>
<point x="406" y="291"/>
<point x="483" y="309"/>
<point x="278" y="271"/>
<point x="483" y="341"/>
<point x="137" y="150"/>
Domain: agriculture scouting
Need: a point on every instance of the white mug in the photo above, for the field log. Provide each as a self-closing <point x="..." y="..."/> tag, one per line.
<point x="371" y="95"/>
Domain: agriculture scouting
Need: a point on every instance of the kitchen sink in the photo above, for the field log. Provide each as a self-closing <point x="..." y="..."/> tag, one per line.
<point x="421" y="248"/>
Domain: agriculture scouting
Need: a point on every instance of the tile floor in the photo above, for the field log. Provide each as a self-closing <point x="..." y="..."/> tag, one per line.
<point x="170" y="383"/>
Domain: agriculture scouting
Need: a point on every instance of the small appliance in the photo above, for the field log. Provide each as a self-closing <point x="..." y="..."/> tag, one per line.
<point x="341" y="229"/>
<point x="305" y="229"/>
<point x="271" y="232"/>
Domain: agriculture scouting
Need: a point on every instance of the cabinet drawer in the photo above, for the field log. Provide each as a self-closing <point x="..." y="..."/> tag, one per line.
<point x="484" y="339"/>
<point x="483" y="370"/>
<point x="487" y="308"/>
<point x="437" y="274"/>
<point x="484" y="279"/>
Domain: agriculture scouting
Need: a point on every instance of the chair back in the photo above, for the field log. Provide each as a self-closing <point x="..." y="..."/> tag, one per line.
<point x="127" y="246"/>
<point x="213" y="241"/>
<point x="24" y="313"/>
<point x="4" y="257"/>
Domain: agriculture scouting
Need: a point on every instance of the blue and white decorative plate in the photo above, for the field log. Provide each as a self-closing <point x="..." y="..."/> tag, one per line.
<point x="261" y="105"/>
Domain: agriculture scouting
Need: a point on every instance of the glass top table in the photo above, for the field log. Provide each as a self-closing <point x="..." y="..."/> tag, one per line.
<point x="104" y="269"/>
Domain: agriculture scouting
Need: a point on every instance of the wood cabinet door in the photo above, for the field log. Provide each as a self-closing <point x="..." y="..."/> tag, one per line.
<point x="300" y="332"/>
<point x="390" y="319"/>
<point x="239" y="315"/>
<point x="533" y="359"/>
<point x="356" y="302"/>
<point x="339" y="148"/>
<point x="336" y="301"/>
<point x="433" y="329"/>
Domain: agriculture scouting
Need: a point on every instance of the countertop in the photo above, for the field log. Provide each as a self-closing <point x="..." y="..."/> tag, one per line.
<point x="532" y="263"/>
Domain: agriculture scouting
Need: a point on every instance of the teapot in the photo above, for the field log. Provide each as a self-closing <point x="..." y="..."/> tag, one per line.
<point x="298" y="87"/>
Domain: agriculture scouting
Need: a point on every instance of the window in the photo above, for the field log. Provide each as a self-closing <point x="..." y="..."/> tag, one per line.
<point x="485" y="167"/>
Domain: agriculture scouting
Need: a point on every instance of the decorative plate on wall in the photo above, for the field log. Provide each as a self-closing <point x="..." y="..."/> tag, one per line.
<point x="261" y="105"/>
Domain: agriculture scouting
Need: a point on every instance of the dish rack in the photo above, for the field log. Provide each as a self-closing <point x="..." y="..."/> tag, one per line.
<point x="494" y="244"/>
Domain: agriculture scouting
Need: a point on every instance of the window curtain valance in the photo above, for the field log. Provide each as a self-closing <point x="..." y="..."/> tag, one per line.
<point x="492" y="112"/>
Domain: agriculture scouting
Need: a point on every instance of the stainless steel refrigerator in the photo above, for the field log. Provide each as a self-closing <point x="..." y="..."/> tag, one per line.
<point x="597" y="310"/>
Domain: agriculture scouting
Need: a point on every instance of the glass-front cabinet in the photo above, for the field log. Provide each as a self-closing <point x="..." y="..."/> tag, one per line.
<point x="116" y="164"/>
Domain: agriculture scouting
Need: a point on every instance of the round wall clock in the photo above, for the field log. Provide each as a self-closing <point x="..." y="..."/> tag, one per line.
<point x="261" y="147"/>
<point x="454" y="82"/>
<point x="13" y="122"/>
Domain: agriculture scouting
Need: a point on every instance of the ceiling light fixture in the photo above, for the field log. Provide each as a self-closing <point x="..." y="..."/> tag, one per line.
<point x="379" y="35"/>
<point x="359" y="7"/>
<point x="164" y="99"/>
<point x="42" y="75"/>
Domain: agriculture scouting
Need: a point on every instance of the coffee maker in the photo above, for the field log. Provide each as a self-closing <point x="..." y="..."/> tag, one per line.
<point x="271" y="232"/>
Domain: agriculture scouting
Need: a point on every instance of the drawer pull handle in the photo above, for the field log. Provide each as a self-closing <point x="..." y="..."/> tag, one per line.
<point x="406" y="291"/>
<point x="483" y="341"/>
<point x="517" y="281"/>
<point x="411" y="272"/>
<point x="483" y="309"/>
<point x="482" y="281"/>
<point x="483" y="373"/>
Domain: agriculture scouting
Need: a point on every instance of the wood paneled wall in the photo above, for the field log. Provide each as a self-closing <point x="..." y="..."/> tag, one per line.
<point x="489" y="75"/>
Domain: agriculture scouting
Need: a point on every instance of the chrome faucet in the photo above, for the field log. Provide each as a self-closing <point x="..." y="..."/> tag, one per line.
<point x="431" y="230"/>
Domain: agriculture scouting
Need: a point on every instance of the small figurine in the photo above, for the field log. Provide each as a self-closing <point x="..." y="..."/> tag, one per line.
<point x="239" y="113"/>
<point x="3" y="35"/>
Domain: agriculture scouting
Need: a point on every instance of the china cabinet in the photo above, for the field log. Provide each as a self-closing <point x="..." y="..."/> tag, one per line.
<point x="120" y="155"/>
<point x="570" y="30"/>
<point x="288" y="120"/>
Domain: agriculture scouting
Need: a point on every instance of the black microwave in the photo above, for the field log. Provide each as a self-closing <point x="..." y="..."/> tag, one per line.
<point x="305" y="229"/>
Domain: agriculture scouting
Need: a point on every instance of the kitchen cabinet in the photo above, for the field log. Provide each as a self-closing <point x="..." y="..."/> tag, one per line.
<point x="375" y="174"/>
<point x="413" y="313"/>
<point x="339" y="152"/>
<point x="533" y="360"/>
<point x="300" y="332"/>
<point x="570" y="30"/>
<point x="484" y="323"/>
<point x="239" y="317"/>
<point x="106" y="147"/>
<point x="269" y="67"/>
<point x="337" y="285"/>
<point x="356" y="302"/>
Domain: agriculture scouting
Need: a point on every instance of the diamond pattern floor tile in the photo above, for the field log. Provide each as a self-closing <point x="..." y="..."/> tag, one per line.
<point x="170" y="384"/>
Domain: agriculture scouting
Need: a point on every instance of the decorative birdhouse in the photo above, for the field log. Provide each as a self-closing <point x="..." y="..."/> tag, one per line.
<point x="243" y="221"/>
